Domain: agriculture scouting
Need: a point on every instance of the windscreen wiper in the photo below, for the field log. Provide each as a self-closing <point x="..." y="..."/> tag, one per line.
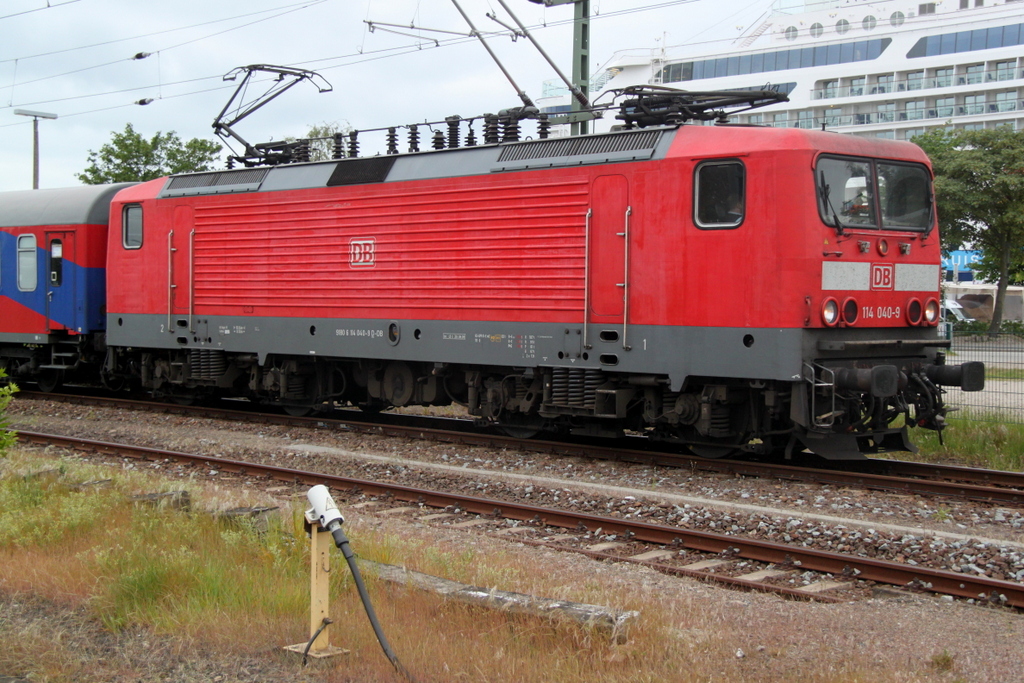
<point x="826" y="196"/>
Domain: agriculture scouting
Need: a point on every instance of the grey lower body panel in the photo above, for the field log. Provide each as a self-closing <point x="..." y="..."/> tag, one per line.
<point x="10" y="338"/>
<point x="677" y="352"/>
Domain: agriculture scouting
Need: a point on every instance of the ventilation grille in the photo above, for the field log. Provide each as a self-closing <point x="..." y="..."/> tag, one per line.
<point x="245" y="176"/>
<point x="580" y="146"/>
<point x="358" y="171"/>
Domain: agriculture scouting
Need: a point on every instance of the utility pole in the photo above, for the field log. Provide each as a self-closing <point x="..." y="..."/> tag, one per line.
<point x="36" y="115"/>
<point x="580" y="61"/>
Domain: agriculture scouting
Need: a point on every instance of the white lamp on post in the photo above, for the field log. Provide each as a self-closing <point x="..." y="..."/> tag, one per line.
<point x="36" y="115"/>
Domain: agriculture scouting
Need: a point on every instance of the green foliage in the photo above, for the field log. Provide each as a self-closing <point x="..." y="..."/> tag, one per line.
<point x="129" y="157"/>
<point x="979" y="188"/>
<point x="321" y="136"/>
<point x="7" y="437"/>
<point x="1014" y="327"/>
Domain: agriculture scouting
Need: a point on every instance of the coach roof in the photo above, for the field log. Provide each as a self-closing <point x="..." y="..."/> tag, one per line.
<point x="84" y="205"/>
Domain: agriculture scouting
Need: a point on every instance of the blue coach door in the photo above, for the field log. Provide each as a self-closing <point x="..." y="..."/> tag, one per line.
<point x="61" y="304"/>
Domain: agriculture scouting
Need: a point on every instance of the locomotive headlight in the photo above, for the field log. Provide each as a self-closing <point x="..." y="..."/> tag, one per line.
<point x="850" y="311"/>
<point x="883" y="247"/>
<point x="914" y="312"/>
<point x="830" y="312"/>
<point x="931" y="312"/>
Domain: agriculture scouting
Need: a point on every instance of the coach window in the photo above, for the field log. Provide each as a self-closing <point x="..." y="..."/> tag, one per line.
<point x="719" y="195"/>
<point x="131" y="227"/>
<point x="56" y="263"/>
<point x="27" y="263"/>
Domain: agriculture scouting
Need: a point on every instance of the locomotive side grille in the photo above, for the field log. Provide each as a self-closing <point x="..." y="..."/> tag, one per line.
<point x="246" y="176"/>
<point x="581" y="146"/>
<point x="575" y="387"/>
<point x="360" y="171"/>
<point x="208" y="363"/>
<point x="478" y="248"/>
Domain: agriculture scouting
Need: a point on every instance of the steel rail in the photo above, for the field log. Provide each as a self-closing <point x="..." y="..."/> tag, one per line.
<point x="1004" y="488"/>
<point x="883" y="571"/>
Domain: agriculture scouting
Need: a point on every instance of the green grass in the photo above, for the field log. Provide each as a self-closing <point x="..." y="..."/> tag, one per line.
<point x="1004" y="373"/>
<point x="994" y="445"/>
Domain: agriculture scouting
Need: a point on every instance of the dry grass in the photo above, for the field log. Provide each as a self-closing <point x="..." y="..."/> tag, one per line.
<point x="131" y="593"/>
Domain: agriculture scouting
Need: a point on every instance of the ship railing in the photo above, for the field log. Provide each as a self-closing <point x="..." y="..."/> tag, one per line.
<point x="829" y="92"/>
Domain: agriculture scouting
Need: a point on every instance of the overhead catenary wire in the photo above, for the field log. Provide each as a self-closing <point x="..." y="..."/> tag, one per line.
<point x="39" y="9"/>
<point x="144" y="55"/>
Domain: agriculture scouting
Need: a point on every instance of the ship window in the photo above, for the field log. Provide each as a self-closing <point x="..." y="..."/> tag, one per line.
<point x="842" y="26"/>
<point x="905" y="196"/>
<point x="131" y="227"/>
<point x="816" y="30"/>
<point x="926" y="8"/>
<point x="897" y="19"/>
<point x="791" y="33"/>
<point x="869" y="23"/>
<point x="995" y="38"/>
<point x="1011" y="34"/>
<point x="27" y="276"/>
<point x="720" y="195"/>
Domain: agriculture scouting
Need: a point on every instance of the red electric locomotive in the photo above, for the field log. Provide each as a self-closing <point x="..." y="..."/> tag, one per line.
<point x="731" y="288"/>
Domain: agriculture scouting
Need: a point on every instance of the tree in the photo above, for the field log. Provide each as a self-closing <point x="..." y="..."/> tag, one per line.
<point x="979" y="188"/>
<point x="321" y="139"/>
<point x="129" y="157"/>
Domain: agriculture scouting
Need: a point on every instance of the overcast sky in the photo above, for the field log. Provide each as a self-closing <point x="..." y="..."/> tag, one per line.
<point x="73" y="58"/>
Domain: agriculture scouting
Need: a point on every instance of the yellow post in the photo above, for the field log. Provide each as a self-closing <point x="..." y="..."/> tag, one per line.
<point x="319" y="587"/>
<point x="320" y="542"/>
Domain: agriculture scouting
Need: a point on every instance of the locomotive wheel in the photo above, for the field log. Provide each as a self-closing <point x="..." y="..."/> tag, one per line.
<point x="712" y="451"/>
<point x="297" y="410"/>
<point x="520" y="432"/>
<point x="113" y="382"/>
<point x="50" y="380"/>
<point x="372" y="406"/>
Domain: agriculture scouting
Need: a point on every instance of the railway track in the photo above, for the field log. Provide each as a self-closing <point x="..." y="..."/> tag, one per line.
<point x="987" y="486"/>
<point x="733" y="560"/>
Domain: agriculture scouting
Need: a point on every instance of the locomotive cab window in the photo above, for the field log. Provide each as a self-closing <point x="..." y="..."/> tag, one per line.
<point x="719" y="195"/>
<point x="863" y="193"/>
<point x="131" y="226"/>
<point x="27" y="275"/>
<point x="904" y="193"/>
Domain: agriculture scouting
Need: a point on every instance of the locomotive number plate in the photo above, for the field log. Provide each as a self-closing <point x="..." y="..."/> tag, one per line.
<point x="884" y="312"/>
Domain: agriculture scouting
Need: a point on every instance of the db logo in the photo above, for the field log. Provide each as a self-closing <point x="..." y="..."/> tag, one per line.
<point x="361" y="252"/>
<point x="883" y="276"/>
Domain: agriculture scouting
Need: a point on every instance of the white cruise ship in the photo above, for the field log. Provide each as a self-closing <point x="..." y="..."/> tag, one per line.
<point x="889" y="69"/>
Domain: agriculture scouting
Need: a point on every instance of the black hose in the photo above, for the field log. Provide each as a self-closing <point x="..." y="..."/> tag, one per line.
<point x="341" y="540"/>
<point x="305" y="653"/>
